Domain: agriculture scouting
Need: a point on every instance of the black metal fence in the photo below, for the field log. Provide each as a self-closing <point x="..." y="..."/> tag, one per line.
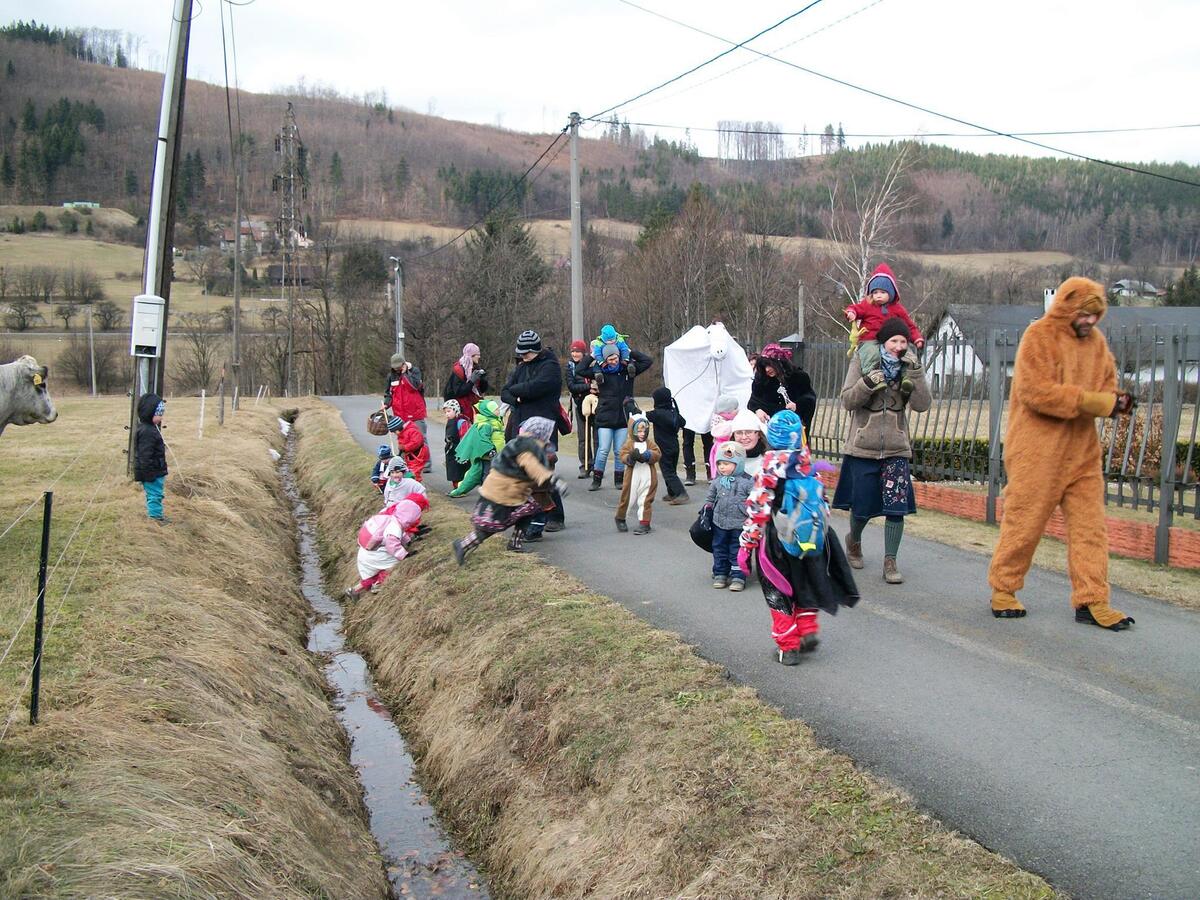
<point x="1151" y="460"/>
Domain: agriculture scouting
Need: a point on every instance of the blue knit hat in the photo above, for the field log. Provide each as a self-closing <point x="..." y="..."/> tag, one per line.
<point x="733" y="452"/>
<point x="384" y="451"/>
<point x="785" y="431"/>
<point x="882" y="283"/>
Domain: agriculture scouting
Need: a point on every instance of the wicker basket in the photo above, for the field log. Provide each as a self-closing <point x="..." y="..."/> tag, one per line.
<point x="377" y="423"/>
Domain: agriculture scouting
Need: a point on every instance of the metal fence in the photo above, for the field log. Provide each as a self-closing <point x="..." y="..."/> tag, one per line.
<point x="1151" y="461"/>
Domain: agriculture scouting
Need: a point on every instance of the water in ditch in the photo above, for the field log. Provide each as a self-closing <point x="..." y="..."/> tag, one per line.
<point x="419" y="858"/>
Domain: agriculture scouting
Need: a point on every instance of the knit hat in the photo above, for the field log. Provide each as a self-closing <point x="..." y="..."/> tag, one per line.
<point x="161" y="408"/>
<point x="608" y="334"/>
<point x="882" y="283"/>
<point x="581" y="346"/>
<point x="745" y="421"/>
<point x="384" y="451"/>
<point x="538" y="427"/>
<point x="776" y="351"/>
<point x="609" y="349"/>
<point x="529" y="341"/>
<point x="452" y="407"/>
<point x="397" y="360"/>
<point x="785" y="431"/>
<point x="732" y="451"/>
<point x="892" y="326"/>
<point x="398" y="465"/>
<point x="661" y="396"/>
<point x="727" y="403"/>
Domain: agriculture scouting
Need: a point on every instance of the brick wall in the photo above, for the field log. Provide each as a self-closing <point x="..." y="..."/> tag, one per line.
<point x="1125" y="538"/>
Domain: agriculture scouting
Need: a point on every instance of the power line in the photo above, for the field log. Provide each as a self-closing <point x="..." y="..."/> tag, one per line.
<point x="932" y="112"/>
<point x="907" y="134"/>
<point x="696" y="68"/>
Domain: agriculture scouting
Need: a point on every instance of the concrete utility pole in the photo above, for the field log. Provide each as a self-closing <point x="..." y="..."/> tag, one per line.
<point x="576" y="237"/>
<point x="92" y="347"/>
<point x="289" y="183"/>
<point x="156" y="274"/>
<point x="237" y="272"/>
<point x="398" y="267"/>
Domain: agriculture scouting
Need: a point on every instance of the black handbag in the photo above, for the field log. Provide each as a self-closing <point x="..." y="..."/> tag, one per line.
<point x="701" y="531"/>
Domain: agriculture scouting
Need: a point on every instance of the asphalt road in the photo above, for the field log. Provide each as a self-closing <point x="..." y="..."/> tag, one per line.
<point x="1072" y="750"/>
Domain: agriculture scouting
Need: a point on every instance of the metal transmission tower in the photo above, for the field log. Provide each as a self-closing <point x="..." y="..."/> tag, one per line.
<point x="289" y="183"/>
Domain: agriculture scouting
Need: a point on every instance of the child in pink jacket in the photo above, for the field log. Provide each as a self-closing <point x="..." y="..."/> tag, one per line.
<point x="383" y="541"/>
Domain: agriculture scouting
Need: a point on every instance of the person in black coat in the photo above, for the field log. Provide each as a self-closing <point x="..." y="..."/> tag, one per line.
<point x="579" y="387"/>
<point x="614" y="380"/>
<point x="150" y="454"/>
<point x="667" y="421"/>
<point x="534" y="385"/>
<point x="779" y="385"/>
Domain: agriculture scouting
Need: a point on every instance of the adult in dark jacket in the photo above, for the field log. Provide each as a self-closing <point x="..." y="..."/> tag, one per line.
<point x="467" y="382"/>
<point x="614" y="380"/>
<point x="534" y="385"/>
<point x="579" y="386"/>
<point x="150" y="454"/>
<point x="667" y="421"/>
<point x="779" y="385"/>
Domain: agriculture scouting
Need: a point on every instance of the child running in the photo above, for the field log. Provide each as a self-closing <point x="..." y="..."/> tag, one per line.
<point x="880" y="306"/>
<point x="507" y="494"/>
<point x="457" y="426"/>
<point x="639" y="453"/>
<point x="478" y="446"/>
<point x="383" y="461"/>
<point x="801" y="564"/>
<point x="727" y="496"/>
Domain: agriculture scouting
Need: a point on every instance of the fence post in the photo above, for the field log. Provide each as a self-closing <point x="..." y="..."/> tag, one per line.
<point x="996" y="373"/>
<point x="1171" y="410"/>
<point x="200" y="427"/>
<point x="36" y="682"/>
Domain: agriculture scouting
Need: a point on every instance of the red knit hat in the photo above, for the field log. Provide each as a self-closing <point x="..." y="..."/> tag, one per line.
<point x="581" y="346"/>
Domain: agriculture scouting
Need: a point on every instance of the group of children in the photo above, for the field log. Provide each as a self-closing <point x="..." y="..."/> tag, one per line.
<point x="387" y="537"/>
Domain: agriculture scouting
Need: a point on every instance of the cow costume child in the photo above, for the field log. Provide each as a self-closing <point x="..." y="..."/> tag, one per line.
<point x="640" y="455"/>
<point x="801" y="565"/>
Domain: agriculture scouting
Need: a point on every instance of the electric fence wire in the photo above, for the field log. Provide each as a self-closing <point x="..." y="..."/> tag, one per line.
<point x="899" y="134"/>
<point x="496" y="203"/>
<point x="36" y="500"/>
<point x="707" y="62"/>
<point x="910" y="105"/>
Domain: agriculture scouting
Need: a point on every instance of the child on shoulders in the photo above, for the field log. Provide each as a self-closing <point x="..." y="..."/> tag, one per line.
<point x="882" y="307"/>
<point x="610" y="335"/>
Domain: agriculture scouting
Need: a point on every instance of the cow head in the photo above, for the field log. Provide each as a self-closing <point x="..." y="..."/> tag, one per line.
<point x="29" y="400"/>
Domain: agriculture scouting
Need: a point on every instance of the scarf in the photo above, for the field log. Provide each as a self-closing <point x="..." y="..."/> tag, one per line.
<point x="775" y="468"/>
<point x="468" y="351"/>
<point x="890" y="363"/>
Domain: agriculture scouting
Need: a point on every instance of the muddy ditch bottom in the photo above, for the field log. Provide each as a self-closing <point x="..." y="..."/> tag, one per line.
<point x="419" y="858"/>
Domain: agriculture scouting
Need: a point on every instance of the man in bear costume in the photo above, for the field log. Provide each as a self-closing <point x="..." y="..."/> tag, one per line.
<point x="1064" y="378"/>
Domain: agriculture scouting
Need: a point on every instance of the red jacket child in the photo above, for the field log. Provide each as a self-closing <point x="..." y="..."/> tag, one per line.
<point x="871" y="315"/>
<point x="413" y="448"/>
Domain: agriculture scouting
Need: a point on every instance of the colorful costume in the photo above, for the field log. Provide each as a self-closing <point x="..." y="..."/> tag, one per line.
<point x="640" y="454"/>
<point x="482" y="441"/>
<point x="1061" y="383"/>
<point x="795" y="587"/>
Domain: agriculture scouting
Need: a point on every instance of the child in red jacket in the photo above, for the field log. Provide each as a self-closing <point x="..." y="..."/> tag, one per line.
<point x="413" y="448"/>
<point x="881" y="304"/>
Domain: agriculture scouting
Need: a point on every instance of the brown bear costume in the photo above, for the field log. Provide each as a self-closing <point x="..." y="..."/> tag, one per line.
<point x="1064" y="378"/>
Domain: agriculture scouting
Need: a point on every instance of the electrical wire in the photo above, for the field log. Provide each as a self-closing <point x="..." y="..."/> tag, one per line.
<point x="707" y="62"/>
<point x="924" y="109"/>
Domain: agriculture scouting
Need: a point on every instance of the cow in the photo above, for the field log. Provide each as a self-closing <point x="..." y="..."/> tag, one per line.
<point x="24" y="398"/>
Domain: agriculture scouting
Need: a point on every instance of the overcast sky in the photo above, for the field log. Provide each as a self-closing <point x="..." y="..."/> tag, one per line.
<point x="1022" y="65"/>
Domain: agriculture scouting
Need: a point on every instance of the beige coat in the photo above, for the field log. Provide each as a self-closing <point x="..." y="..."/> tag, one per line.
<point x="878" y="420"/>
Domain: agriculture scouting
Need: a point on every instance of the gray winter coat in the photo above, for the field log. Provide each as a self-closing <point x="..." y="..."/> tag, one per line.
<point x="729" y="504"/>
<point x="878" y="420"/>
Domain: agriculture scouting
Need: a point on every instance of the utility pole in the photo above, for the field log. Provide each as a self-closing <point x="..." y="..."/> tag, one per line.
<point x="237" y="273"/>
<point x="576" y="237"/>
<point x="289" y="184"/>
<point x="398" y="267"/>
<point x="156" y="271"/>
<point x="92" y="347"/>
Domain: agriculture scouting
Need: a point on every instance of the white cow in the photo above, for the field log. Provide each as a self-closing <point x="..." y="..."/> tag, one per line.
<point x="24" y="398"/>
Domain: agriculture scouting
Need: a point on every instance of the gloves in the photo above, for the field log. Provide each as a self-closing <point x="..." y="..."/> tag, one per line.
<point x="598" y="378"/>
<point x="630" y="370"/>
<point x="557" y="484"/>
<point x="910" y="359"/>
<point x="477" y="374"/>
<point x="873" y="380"/>
<point x="1126" y="403"/>
<point x="743" y="560"/>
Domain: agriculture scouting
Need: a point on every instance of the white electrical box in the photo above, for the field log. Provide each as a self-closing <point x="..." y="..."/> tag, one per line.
<point x="146" y="335"/>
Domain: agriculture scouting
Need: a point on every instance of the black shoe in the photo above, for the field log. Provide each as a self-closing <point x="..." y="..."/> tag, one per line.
<point x="618" y="478"/>
<point x="555" y="526"/>
<point x="642" y="529"/>
<point x="423" y="530"/>
<point x="621" y="526"/>
<point x="533" y="537"/>
<point x="583" y="472"/>
<point x="597" y="481"/>
<point x="690" y="476"/>
<point x="1084" y="614"/>
<point x="789" y="657"/>
<point x="460" y="552"/>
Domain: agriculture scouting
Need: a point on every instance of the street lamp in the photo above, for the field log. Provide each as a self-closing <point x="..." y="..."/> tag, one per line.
<point x="399" y="270"/>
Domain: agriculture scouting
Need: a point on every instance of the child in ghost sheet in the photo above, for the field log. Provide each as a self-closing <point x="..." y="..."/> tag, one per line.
<point x="796" y="582"/>
<point x="640" y="455"/>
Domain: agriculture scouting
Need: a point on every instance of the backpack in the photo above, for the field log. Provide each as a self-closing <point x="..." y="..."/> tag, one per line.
<point x="803" y="517"/>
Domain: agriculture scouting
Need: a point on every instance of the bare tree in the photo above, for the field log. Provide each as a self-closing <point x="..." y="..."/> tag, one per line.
<point x="66" y="311"/>
<point x="109" y="315"/>
<point x="204" y="265"/>
<point x="201" y="350"/>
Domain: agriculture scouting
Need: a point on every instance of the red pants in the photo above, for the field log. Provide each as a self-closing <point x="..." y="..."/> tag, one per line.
<point x="378" y="578"/>
<point x="789" y="628"/>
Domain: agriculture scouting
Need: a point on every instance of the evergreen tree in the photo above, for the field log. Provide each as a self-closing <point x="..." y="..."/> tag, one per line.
<point x="8" y="175"/>
<point x="403" y="176"/>
<point x="29" y="122"/>
<point x="10" y="71"/>
<point x="122" y="61"/>
<point x="841" y="137"/>
<point x="336" y="176"/>
<point x="1186" y="291"/>
<point x="131" y="183"/>
<point x="89" y="230"/>
<point x="947" y="225"/>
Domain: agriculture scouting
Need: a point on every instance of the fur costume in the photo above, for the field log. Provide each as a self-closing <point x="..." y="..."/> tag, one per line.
<point x="1061" y="384"/>
<point x="640" y="455"/>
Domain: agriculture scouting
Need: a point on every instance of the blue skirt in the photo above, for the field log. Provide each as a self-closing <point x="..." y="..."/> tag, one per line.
<point x="875" y="487"/>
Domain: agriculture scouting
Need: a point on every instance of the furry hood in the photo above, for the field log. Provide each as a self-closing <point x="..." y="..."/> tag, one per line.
<point x="1075" y="296"/>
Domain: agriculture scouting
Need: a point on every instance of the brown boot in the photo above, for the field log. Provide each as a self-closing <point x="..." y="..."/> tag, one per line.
<point x="1006" y="606"/>
<point x="1100" y="613"/>
<point x="854" y="553"/>
<point x="890" y="573"/>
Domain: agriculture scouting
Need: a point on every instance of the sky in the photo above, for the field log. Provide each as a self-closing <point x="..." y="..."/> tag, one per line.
<point x="1022" y="65"/>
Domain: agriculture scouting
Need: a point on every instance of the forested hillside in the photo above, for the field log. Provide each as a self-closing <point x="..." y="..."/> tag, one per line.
<point x="77" y="123"/>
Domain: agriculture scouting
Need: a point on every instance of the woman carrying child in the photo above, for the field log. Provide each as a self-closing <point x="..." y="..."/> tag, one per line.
<point x="875" y="479"/>
<point x="614" y="380"/>
<point x="517" y="488"/>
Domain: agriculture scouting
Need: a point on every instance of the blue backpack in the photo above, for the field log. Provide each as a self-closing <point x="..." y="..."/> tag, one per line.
<point x="803" y="516"/>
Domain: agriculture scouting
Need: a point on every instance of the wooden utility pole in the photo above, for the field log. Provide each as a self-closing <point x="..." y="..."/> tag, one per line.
<point x="576" y="237"/>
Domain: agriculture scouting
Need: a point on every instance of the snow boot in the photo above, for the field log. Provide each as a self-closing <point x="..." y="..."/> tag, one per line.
<point x="788" y="657"/>
<point x="597" y="481"/>
<point x="618" y="479"/>
<point x="689" y="477"/>
<point x="854" y="553"/>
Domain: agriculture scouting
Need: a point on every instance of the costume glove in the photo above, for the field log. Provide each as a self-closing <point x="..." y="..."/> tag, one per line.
<point x="743" y="560"/>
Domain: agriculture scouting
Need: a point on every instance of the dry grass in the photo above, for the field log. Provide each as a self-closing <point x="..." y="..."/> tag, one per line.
<point x="105" y="217"/>
<point x="578" y="752"/>
<point x="186" y="747"/>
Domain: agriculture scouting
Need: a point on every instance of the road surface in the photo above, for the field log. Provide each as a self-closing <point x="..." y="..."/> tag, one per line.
<point x="1072" y="750"/>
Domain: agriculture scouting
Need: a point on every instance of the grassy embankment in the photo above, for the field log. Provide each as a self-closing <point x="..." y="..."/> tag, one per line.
<point x="186" y="747"/>
<point x="577" y="751"/>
